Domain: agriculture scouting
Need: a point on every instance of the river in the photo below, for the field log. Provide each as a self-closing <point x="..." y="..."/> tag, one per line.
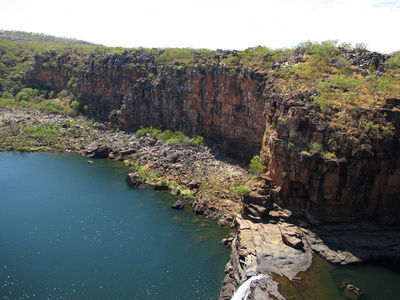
<point x="71" y="230"/>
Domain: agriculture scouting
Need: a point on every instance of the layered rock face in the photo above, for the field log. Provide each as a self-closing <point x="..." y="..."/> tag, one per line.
<point x="312" y="164"/>
<point x="347" y="172"/>
<point x="316" y="162"/>
<point x="131" y="90"/>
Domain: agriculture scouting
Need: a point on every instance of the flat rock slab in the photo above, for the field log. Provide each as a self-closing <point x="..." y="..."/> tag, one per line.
<point x="286" y="249"/>
<point x="259" y="248"/>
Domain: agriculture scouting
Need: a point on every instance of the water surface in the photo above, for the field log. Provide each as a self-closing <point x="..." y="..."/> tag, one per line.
<point x="70" y="230"/>
<point x="327" y="281"/>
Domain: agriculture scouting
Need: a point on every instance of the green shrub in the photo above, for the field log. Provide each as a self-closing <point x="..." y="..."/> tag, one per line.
<point x="153" y="132"/>
<point x="144" y="173"/>
<point x="315" y="148"/>
<point x="26" y="94"/>
<point x="256" y="167"/>
<point x="320" y="50"/>
<point x="197" y="141"/>
<point x="52" y="106"/>
<point x="63" y="94"/>
<point x="6" y="102"/>
<point x="242" y="190"/>
<point x="173" y="141"/>
<point x="74" y="104"/>
<point x="393" y="62"/>
<point x="172" y="138"/>
<point x="187" y="194"/>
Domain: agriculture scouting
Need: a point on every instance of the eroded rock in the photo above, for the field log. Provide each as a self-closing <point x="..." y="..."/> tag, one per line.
<point x="178" y="205"/>
<point x="134" y="180"/>
<point x="97" y="150"/>
<point x="259" y="249"/>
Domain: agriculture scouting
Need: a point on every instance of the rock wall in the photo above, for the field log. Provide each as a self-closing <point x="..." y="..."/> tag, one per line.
<point x="353" y="172"/>
<point x="340" y="172"/>
<point x="132" y="91"/>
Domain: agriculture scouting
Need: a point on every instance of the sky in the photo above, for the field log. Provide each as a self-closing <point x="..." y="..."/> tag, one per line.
<point x="211" y="24"/>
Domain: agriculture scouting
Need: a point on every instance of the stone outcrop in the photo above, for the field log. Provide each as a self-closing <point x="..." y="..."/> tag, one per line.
<point x="260" y="248"/>
<point x="347" y="173"/>
<point x="364" y="59"/>
<point x="285" y="244"/>
<point x="97" y="150"/>
<point x="178" y="205"/>
<point x="134" y="180"/>
<point x="356" y="241"/>
<point x="314" y="166"/>
<point x="259" y="202"/>
<point x="203" y="207"/>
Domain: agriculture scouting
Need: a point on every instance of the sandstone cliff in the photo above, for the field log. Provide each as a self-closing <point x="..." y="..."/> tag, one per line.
<point x="326" y="122"/>
<point x="339" y="156"/>
<point x="349" y="171"/>
<point x="133" y="90"/>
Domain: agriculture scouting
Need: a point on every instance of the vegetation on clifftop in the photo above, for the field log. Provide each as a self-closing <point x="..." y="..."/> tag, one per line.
<point x="340" y="79"/>
<point x="335" y="71"/>
<point x="321" y="99"/>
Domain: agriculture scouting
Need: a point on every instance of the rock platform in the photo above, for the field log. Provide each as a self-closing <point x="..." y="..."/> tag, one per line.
<point x="285" y="246"/>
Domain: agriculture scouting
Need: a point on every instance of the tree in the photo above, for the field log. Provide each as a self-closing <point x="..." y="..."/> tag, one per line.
<point x="256" y="167"/>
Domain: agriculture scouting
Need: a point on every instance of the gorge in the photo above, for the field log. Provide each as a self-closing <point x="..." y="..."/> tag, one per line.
<point x="325" y="125"/>
<point x="344" y="161"/>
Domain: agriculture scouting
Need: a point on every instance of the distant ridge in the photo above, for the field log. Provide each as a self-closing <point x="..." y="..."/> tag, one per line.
<point x="21" y="36"/>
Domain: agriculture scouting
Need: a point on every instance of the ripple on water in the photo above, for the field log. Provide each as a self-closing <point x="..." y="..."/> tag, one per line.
<point x="75" y="232"/>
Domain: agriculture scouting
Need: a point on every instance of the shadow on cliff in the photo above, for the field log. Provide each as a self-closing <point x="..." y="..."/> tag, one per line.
<point x="345" y="240"/>
<point x="229" y="152"/>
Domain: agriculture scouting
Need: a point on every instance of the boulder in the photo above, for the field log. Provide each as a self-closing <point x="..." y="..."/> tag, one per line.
<point x="178" y="205"/>
<point x="292" y="241"/>
<point x="160" y="187"/>
<point x="97" y="150"/>
<point x="194" y="184"/>
<point x="227" y="241"/>
<point x="202" y="207"/>
<point x="127" y="152"/>
<point x="175" y="192"/>
<point x="352" y="292"/>
<point x="224" y="221"/>
<point x="134" y="180"/>
<point x="257" y="206"/>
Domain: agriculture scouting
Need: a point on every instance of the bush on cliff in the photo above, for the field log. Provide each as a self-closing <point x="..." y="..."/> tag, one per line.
<point x="172" y="138"/>
<point x="242" y="190"/>
<point x="256" y="167"/>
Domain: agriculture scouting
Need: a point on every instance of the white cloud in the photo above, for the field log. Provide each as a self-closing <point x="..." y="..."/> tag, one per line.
<point x="234" y="24"/>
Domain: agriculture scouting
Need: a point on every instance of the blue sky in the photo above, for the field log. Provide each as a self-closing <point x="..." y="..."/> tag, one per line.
<point x="212" y="24"/>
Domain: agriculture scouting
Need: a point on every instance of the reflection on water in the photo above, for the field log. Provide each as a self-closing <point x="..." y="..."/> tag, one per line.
<point x="327" y="281"/>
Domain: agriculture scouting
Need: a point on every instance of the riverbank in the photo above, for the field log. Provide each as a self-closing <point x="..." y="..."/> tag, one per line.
<point x="280" y="245"/>
<point x="207" y="178"/>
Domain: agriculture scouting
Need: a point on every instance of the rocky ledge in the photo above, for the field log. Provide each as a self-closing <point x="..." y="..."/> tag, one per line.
<point x="284" y="245"/>
<point x="265" y="248"/>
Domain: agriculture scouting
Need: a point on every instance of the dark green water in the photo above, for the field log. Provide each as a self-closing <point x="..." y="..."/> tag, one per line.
<point x="69" y="230"/>
<point x="325" y="281"/>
